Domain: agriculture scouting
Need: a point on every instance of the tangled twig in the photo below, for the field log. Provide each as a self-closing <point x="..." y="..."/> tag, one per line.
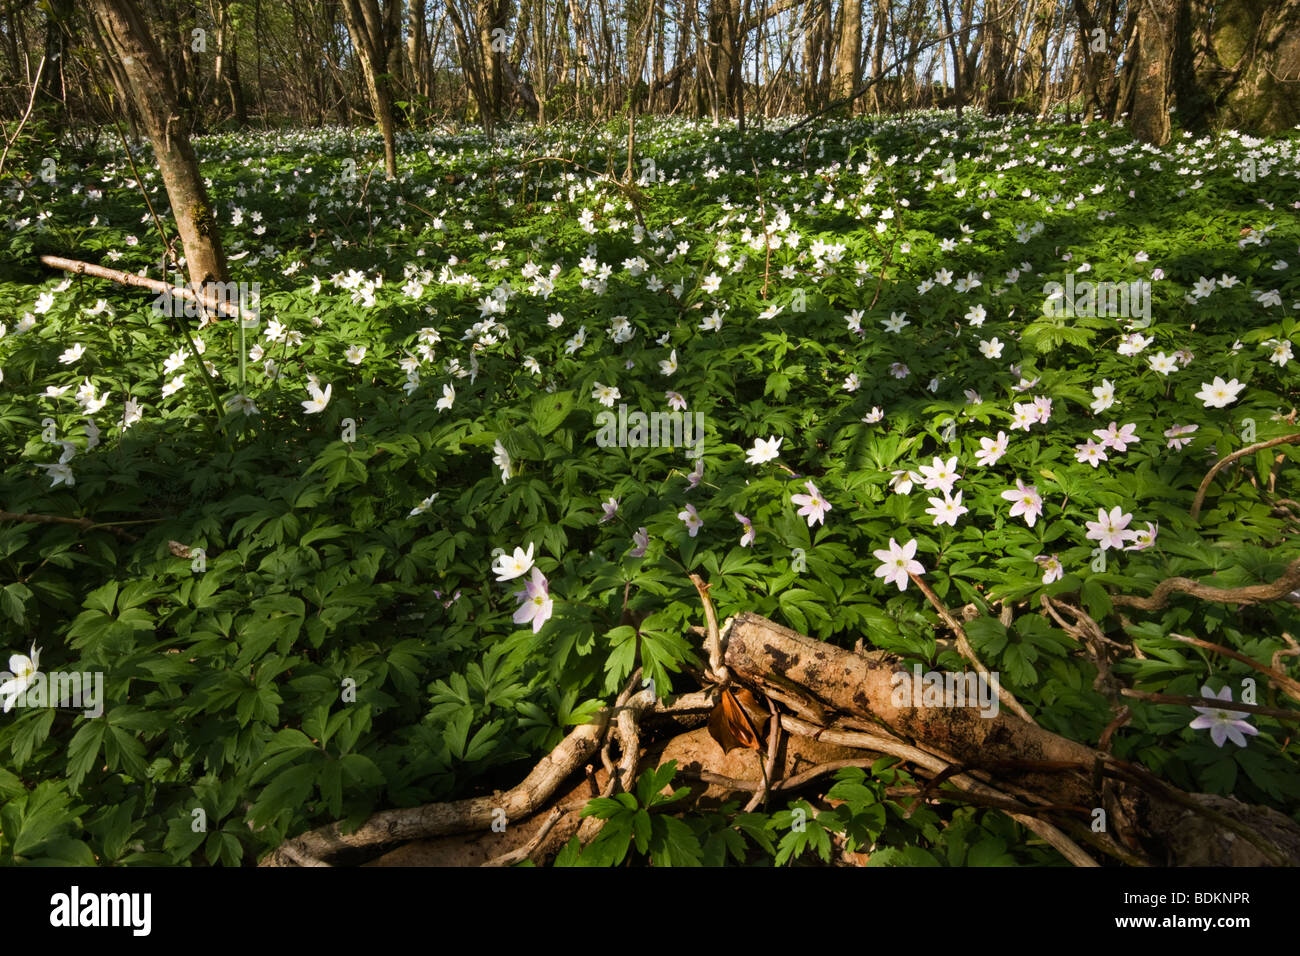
<point x="1229" y="459"/>
<point x="1247" y="594"/>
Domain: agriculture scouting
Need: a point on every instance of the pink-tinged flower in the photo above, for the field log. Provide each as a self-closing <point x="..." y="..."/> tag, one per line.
<point x="696" y="474"/>
<point x="1090" y="452"/>
<point x="1025" y="501"/>
<point x="1145" y="538"/>
<point x="899" y="370"/>
<point x="1043" y="406"/>
<point x="535" y="605"/>
<point x="1223" y="724"/>
<point x="940" y="475"/>
<point x="611" y="508"/>
<point x="1025" y="415"/>
<point x="675" y="401"/>
<point x="692" y="519"/>
<point x="640" y="541"/>
<point x="1175" y="435"/>
<point x="1108" y="530"/>
<point x="991" y="449"/>
<point x="747" y="538"/>
<point x="946" y="510"/>
<point x="1052" y="567"/>
<point x="814" y="505"/>
<point x="898" y="561"/>
<point x="1116" y="437"/>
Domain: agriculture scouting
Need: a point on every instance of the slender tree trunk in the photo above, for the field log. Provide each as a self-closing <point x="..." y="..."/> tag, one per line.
<point x="848" y="55"/>
<point x="373" y="31"/>
<point x="132" y="41"/>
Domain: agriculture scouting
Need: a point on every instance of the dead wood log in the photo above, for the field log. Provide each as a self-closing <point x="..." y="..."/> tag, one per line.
<point x="845" y="689"/>
<point x="849" y="702"/>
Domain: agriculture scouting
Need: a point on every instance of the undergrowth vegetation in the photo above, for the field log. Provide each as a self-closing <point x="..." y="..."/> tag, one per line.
<point x="388" y="544"/>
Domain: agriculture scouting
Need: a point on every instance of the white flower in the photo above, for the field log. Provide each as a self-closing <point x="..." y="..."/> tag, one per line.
<point x="1281" y="353"/>
<point x="897" y="563"/>
<point x="607" y="395"/>
<point x="991" y="449"/>
<point x="318" y="399"/>
<point x="1223" y="724"/>
<point x="991" y="348"/>
<point x="1052" y="567"/>
<point x="946" y="510"/>
<point x="1109" y="529"/>
<point x="71" y="355"/>
<point x="60" y="473"/>
<point x="515" y="565"/>
<point x="24" y="669"/>
<point x="1219" y="394"/>
<point x="1105" y="393"/>
<point x="243" y="404"/>
<point x="940" y="474"/>
<point x="1162" y="363"/>
<point x="448" y="398"/>
<point x="355" y="354"/>
<point x="692" y="520"/>
<point x="896" y="322"/>
<point x="501" y="458"/>
<point x="669" y="365"/>
<point x="764" y="451"/>
<point x="423" y="506"/>
<point x="902" y="481"/>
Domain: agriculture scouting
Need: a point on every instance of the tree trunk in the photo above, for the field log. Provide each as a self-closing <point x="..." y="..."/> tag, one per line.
<point x="373" y="31"/>
<point x="155" y="100"/>
<point x="848" y="55"/>
<point x="1151" y="68"/>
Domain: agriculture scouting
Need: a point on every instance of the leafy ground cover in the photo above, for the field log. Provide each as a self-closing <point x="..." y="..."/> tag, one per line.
<point x="388" y="545"/>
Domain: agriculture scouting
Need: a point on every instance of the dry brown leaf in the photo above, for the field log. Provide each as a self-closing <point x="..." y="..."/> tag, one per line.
<point x="731" y="726"/>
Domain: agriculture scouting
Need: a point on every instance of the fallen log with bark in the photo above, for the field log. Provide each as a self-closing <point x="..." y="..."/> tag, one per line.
<point x="832" y="708"/>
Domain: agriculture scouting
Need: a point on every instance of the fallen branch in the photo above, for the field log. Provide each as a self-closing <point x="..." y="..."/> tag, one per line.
<point x="1229" y="459"/>
<point x="968" y="652"/>
<point x="1211" y="702"/>
<point x="847" y="713"/>
<point x="1247" y="594"/>
<point x="846" y="686"/>
<point x="522" y="853"/>
<point x="457" y="816"/>
<point x="208" y="299"/>
<point x="85" y="524"/>
<point x="1289" y="686"/>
